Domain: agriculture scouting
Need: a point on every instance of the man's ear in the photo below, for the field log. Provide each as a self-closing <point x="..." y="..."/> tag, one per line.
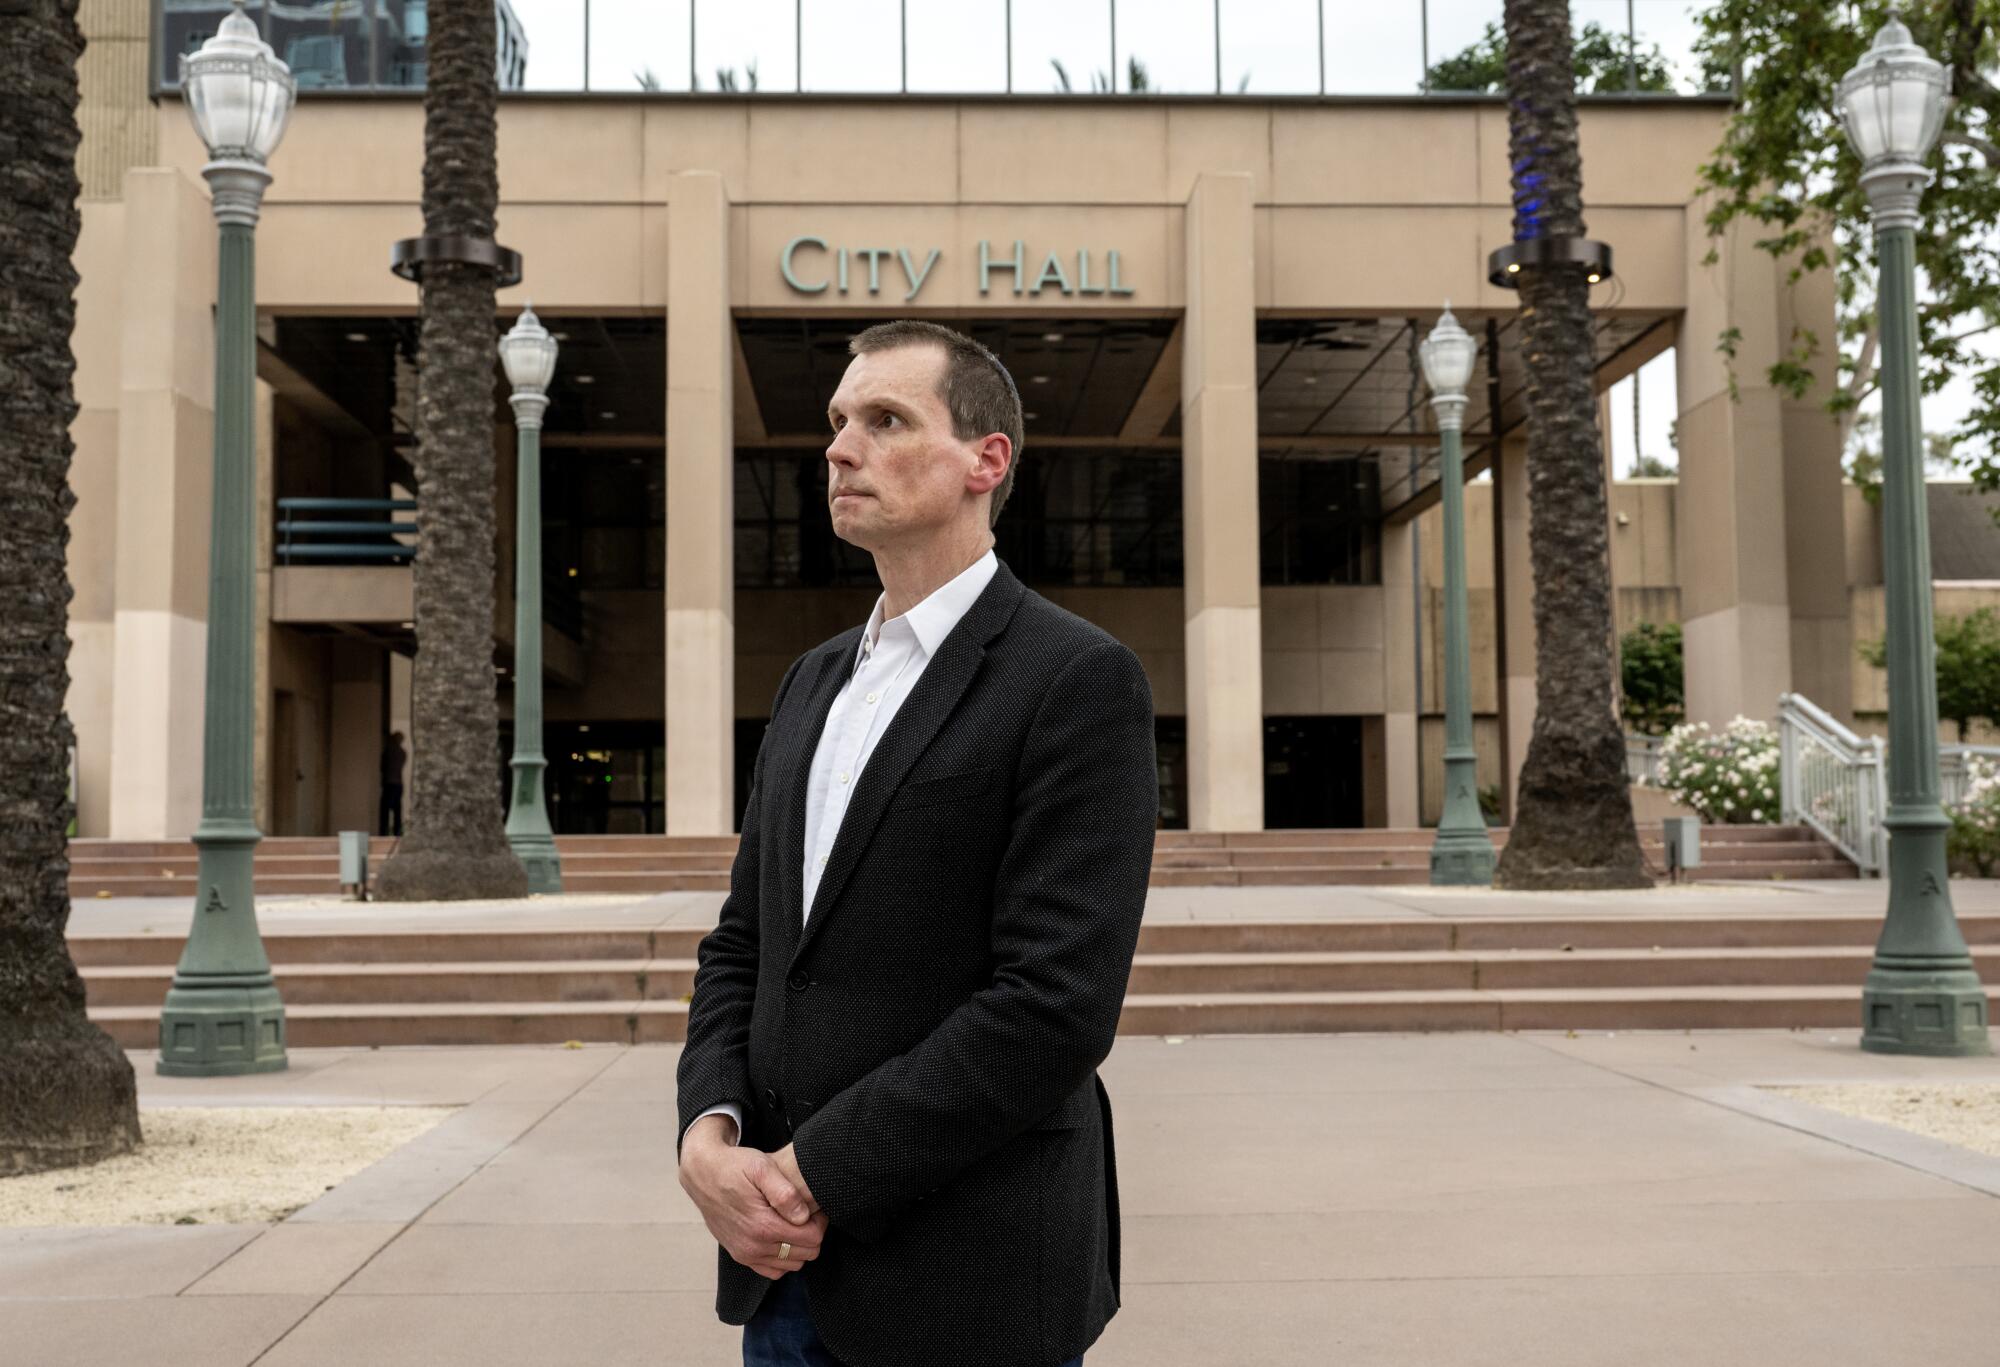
<point x="996" y="457"/>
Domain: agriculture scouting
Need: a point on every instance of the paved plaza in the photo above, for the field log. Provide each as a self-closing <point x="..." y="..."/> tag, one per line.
<point x="1369" y="1199"/>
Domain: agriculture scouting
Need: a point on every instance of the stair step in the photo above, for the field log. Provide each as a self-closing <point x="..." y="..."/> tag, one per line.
<point x="642" y="1022"/>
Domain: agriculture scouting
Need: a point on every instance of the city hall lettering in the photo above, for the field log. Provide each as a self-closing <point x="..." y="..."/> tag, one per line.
<point x="810" y="266"/>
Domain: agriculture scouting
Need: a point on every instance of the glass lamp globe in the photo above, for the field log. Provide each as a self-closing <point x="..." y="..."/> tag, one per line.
<point x="237" y="92"/>
<point x="1447" y="355"/>
<point x="1892" y="103"/>
<point x="529" y="354"/>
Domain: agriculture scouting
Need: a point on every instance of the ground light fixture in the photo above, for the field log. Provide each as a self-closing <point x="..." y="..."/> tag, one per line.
<point x="1462" y="851"/>
<point x="223" y="1015"/>
<point x="528" y="355"/>
<point x="1922" y="994"/>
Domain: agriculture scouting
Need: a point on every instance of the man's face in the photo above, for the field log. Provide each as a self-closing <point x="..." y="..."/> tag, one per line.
<point x="896" y="473"/>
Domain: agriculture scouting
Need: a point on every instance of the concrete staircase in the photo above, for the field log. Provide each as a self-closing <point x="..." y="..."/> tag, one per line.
<point x="1667" y="970"/>
<point x="643" y="864"/>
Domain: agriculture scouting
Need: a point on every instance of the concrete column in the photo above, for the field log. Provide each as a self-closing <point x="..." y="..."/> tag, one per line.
<point x="1399" y="679"/>
<point x="1515" y="604"/>
<point x="700" y="581"/>
<point x="1814" y="493"/>
<point x="1225" y="715"/>
<point x="1732" y="523"/>
<point x="356" y="728"/>
<point x="399" y="720"/>
<point x="166" y="430"/>
<point x="93" y="523"/>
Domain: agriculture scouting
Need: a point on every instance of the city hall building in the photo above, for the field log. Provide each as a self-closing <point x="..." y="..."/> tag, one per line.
<point x="1211" y="305"/>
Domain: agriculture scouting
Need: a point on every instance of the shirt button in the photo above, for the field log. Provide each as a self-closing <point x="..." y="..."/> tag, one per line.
<point x="822" y="861"/>
<point x="843" y="778"/>
<point x="871" y="697"/>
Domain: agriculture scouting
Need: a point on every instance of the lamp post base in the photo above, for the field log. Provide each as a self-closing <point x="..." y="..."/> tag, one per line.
<point x="1940" y="1012"/>
<point x="537" y="853"/>
<point x="1462" y="860"/>
<point x="222" y="1029"/>
<point x="1462" y="852"/>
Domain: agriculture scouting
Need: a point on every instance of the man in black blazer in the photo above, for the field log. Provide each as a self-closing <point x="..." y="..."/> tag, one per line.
<point x="890" y="1113"/>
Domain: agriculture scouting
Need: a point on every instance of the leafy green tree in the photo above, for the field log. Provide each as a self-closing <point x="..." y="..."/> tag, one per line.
<point x="1652" y="467"/>
<point x="1598" y="53"/>
<point x="1652" y="678"/>
<point x="1784" y="165"/>
<point x="1968" y="667"/>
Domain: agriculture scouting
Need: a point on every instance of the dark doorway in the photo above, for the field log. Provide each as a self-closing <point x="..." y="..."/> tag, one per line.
<point x="1312" y="772"/>
<point x="607" y="777"/>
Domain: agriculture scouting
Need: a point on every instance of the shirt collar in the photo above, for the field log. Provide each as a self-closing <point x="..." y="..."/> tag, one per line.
<point x="932" y="619"/>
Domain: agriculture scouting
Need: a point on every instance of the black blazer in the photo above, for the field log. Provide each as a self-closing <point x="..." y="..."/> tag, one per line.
<point x="929" y="1039"/>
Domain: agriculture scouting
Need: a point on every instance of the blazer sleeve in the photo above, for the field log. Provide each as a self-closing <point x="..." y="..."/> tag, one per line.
<point x="1066" y="910"/>
<point x="714" y="1066"/>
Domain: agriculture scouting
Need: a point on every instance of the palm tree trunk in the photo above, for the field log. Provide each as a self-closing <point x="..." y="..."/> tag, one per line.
<point x="1573" y="816"/>
<point x="456" y="845"/>
<point x="67" y="1091"/>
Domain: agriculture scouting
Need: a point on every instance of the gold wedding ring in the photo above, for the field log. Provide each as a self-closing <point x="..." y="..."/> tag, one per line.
<point x="784" y="1252"/>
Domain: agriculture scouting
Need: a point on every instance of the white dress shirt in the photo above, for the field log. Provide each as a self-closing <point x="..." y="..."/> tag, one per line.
<point x="886" y="666"/>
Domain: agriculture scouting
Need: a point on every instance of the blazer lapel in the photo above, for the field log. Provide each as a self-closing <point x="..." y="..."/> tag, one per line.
<point x="794" y="773"/>
<point x="945" y="679"/>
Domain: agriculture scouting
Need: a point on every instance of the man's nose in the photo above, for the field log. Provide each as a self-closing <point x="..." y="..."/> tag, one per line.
<point x="844" y="448"/>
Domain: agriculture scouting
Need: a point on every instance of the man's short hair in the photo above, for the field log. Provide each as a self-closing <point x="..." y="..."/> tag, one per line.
<point x="977" y="391"/>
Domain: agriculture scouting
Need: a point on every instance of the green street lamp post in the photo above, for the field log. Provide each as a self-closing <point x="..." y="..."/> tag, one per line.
<point x="223" y="1014"/>
<point x="1922" y="995"/>
<point x="528" y="353"/>
<point x="1462" y="852"/>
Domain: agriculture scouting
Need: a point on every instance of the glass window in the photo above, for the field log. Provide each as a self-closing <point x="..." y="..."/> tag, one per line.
<point x="1672" y="26"/>
<point x="402" y="36"/>
<point x="784" y="538"/>
<point x="852" y="45"/>
<point x="184" y="25"/>
<point x="635" y="45"/>
<point x="545" y="46"/>
<point x="1319" y="515"/>
<point x="1168" y="45"/>
<point x="328" y="44"/>
<point x="1374" y="49"/>
<point x="1091" y="517"/>
<point x="1061" y="45"/>
<point x="1270" y="48"/>
<point x="1604" y="47"/>
<point x="746" y="44"/>
<point x="958" y="45"/>
<point x="1456" y="26"/>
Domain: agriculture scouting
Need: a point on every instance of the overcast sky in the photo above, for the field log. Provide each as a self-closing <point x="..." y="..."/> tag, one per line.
<point x="1370" y="47"/>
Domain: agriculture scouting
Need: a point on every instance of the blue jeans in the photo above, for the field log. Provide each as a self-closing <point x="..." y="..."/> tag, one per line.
<point x="781" y="1333"/>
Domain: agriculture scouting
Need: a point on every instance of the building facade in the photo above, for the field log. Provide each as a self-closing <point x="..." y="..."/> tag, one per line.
<point x="1211" y="306"/>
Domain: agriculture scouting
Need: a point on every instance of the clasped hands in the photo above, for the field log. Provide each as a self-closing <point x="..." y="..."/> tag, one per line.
<point x="752" y="1201"/>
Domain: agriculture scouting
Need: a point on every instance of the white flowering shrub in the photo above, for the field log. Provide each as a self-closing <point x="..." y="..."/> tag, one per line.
<point x="1729" y="775"/>
<point x="1973" y="844"/>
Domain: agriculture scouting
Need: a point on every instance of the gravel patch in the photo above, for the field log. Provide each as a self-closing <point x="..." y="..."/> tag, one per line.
<point x="218" y="1165"/>
<point x="1963" y="1113"/>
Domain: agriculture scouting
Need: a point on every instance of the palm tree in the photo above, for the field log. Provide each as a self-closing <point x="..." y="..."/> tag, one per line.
<point x="456" y="846"/>
<point x="1573" y="814"/>
<point x="67" y="1092"/>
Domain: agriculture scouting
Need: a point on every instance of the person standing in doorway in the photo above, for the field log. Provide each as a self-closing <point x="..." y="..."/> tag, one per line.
<point x="394" y="757"/>
<point x="890" y="1114"/>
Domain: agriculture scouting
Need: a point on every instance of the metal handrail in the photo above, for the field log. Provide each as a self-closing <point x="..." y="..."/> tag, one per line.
<point x="1954" y="770"/>
<point x="363" y="540"/>
<point x="1833" y="781"/>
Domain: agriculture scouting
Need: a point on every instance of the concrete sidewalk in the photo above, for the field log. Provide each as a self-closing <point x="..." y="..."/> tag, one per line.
<point x="575" y="911"/>
<point x="1434" y="1201"/>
